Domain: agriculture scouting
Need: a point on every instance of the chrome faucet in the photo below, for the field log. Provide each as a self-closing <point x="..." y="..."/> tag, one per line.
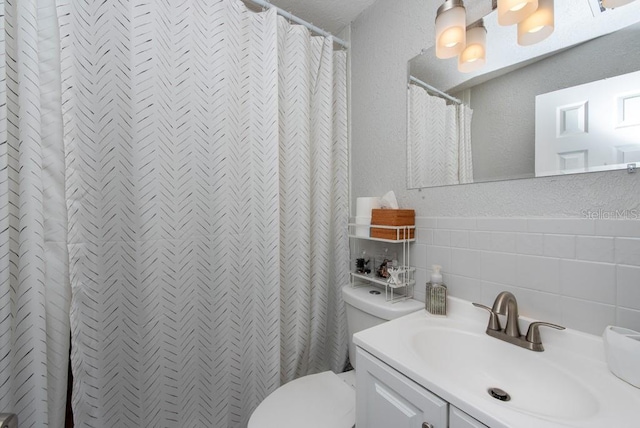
<point x="506" y="304"/>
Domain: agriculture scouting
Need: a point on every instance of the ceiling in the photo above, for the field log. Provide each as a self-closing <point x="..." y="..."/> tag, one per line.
<point x="330" y="15"/>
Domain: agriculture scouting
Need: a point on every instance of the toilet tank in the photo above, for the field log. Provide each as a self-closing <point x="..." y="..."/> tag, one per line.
<point x="366" y="307"/>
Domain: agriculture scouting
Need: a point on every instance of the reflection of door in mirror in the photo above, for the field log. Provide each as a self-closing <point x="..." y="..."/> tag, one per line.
<point x="569" y="140"/>
<point x="438" y="141"/>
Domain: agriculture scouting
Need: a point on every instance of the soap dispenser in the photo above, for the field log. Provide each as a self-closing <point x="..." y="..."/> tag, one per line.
<point x="436" y="295"/>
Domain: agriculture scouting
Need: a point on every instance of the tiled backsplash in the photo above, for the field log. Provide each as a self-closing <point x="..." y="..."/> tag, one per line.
<point x="581" y="273"/>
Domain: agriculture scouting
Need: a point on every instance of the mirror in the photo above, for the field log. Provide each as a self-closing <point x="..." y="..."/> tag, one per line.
<point x="531" y="111"/>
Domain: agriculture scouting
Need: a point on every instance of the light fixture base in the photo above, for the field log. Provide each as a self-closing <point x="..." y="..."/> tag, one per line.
<point x="449" y="4"/>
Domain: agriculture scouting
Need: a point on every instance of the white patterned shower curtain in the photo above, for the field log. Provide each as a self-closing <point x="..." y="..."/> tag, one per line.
<point x="34" y="290"/>
<point x="207" y="202"/>
<point x="439" y="140"/>
<point x="182" y="168"/>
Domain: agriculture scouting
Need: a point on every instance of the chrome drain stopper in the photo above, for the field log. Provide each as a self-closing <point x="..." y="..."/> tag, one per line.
<point x="499" y="394"/>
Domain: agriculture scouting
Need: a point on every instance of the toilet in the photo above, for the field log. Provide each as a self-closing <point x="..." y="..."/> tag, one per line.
<point x="328" y="400"/>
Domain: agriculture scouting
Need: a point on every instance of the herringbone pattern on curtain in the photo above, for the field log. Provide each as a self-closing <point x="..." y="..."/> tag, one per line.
<point x="207" y="197"/>
<point x="34" y="287"/>
<point x="438" y="141"/>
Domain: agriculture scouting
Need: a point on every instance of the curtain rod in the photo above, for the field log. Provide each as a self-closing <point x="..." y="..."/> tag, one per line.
<point x="434" y="90"/>
<point x="291" y="17"/>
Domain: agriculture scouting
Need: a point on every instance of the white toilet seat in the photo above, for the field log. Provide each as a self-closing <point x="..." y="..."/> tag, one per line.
<point x="322" y="400"/>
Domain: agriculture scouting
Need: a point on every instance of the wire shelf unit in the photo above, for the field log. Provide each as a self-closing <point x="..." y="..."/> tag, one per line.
<point x="394" y="292"/>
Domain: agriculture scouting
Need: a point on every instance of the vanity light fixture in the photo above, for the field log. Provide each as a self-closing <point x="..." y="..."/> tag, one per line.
<point x="513" y="11"/>
<point x="474" y="55"/>
<point x="610" y="4"/>
<point x="537" y="26"/>
<point x="450" y="29"/>
<point x="535" y="19"/>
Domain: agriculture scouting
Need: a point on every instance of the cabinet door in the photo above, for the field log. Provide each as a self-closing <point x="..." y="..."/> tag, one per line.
<point x="387" y="399"/>
<point x="459" y="419"/>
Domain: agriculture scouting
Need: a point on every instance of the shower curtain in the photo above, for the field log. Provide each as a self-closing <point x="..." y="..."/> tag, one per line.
<point x="34" y="290"/>
<point x="207" y="202"/>
<point x="465" y="154"/>
<point x="181" y="167"/>
<point x="439" y="140"/>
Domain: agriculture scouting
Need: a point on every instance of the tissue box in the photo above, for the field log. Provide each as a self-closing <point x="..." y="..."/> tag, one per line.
<point x="390" y="217"/>
<point x="622" y="349"/>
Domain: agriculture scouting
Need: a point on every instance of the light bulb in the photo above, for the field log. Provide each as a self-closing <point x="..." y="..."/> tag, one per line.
<point x="537" y="26"/>
<point x="473" y="57"/>
<point x="450" y="29"/>
<point x="451" y="37"/>
<point x="513" y="11"/>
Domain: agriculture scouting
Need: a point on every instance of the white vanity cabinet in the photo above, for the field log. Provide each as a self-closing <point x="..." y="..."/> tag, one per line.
<point x="459" y="419"/>
<point x="385" y="398"/>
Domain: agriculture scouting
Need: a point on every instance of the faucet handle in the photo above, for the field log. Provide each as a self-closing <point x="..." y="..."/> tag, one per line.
<point x="494" y="321"/>
<point x="533" y="334"/>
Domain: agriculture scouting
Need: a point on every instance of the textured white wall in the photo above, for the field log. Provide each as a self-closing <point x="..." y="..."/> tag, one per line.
<point x="384" y="38"/>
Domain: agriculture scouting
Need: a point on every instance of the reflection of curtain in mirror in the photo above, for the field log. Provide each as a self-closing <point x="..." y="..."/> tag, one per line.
<point x="416" y="137"/>
<point x="465" y="158"/>
<point x="439" y="148"/>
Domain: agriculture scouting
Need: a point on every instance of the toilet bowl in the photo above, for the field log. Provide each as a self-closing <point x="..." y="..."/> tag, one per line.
<point x="328" y="400"/>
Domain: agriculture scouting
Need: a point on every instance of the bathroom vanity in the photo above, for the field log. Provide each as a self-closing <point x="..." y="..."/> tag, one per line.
<point x="386" y="398"/>
<point x="437" y="372"/>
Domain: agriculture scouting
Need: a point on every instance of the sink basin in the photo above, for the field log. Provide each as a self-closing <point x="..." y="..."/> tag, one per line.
<point x="478" y="362"/>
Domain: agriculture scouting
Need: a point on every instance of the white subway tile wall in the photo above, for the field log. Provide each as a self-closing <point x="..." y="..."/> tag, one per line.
<point x="595" y="248"/>
<point x="460" y="238"/>
<point x="588" y="280"/>
<point x="538" y="273"/>
<point x="530" y="243"/>
<point x="442" y="237"/>
<point x="627" y="317"/>
<point x="562" y="226"/>
<point x="561" y="246"/>
<point x="502" y="224"/>
<point x="627" y="251"/>
<point x="418" y="256"/>
<point x="628" y="292"/>
<point x="581" y="273"/>
<point x="424" y="236"/>
<point x="461" y="223"/>
<point x="503" y="241"/>
<point x="465" y="262"/>
<point x="587" y="315"/>
<point x="480" y="240"/>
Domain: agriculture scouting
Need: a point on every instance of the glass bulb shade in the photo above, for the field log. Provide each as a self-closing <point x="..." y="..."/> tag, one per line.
<point x="513" y="11"/>
<point x="537" y="26"/>
<point x="474" y="55"/>
<point x="451" y="32"/>
<point x="610" y="4"/>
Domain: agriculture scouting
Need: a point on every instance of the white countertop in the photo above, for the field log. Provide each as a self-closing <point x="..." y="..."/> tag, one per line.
<point x="594" y="398"/>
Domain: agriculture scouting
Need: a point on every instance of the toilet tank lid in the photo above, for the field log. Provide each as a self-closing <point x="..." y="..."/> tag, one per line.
<point x="361" y="297"/>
